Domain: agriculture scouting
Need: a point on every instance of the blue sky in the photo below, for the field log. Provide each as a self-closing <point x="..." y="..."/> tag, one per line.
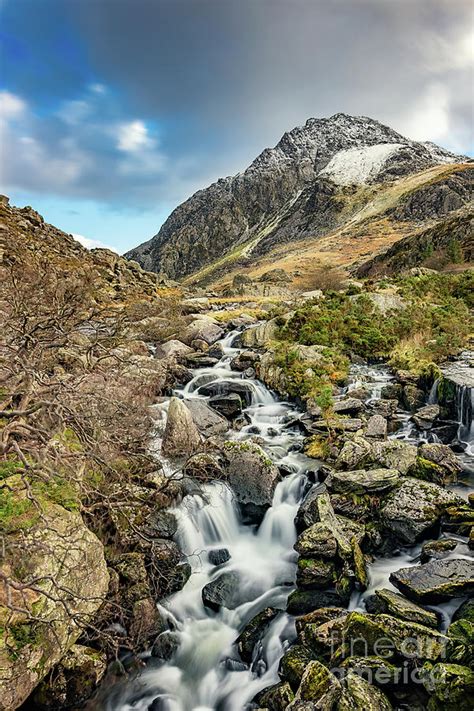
<point x="114" y="111"/>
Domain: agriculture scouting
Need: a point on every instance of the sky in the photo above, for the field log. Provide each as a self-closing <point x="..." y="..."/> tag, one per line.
<point x="112" y="112"/>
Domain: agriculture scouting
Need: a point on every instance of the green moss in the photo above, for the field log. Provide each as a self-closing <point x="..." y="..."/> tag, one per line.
<point x="59" y="491"/>
<point x="16" y="511"/>
<point x="9" y="467"/>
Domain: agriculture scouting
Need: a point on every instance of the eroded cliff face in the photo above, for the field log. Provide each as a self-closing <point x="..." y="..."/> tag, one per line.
<point x="296" y="188"/>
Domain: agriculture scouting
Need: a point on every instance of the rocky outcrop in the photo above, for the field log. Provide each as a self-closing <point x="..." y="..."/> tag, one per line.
<point x="67" y="563"/>
<point x="436" y="581"/>
<point x="181" y="436"/>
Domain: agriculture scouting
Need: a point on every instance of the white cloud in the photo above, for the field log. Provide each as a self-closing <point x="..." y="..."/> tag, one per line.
<point x="90" y="243"/>
<point x="429" y="118"/>
<point x="98" y="88"/>
<point x="11" y="105"/>
<point x="133" y="136"/>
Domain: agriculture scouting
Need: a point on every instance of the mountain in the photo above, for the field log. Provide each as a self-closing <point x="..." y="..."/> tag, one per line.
<point x="328" y="174"/>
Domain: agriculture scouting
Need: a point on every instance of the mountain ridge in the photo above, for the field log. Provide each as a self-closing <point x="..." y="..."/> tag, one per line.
<point x="324" y="156"/>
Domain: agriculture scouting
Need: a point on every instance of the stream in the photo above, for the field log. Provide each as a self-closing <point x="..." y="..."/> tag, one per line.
<point x="206" y="673"/>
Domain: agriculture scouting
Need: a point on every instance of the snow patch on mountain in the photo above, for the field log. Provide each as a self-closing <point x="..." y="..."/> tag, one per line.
<point x="356" y="166"/>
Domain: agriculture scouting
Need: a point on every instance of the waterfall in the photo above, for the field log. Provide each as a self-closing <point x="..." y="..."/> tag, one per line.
<point x="465" y="412"/>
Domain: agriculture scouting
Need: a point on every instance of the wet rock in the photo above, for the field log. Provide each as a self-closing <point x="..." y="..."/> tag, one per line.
<point x="181" y="436"/>
<point x="219" y="556"/>
<point x="293" y="664"/>
<point x="376" y="427"/>
<point x="415" y="508"/>
<point x="162" y="524"/>
<point x="382" y="672"/>
<point x="349" y="406"/>
<point x="204" y="329"/>
<point x="74" y="680"/>
<point x="452" y="685"/>
<point x="318" y="684"/>
<point x="425" y="416"/>
<point x="436" y="581"/>
<point x="276" y="697"/>
<point x="146" y="621"/>
<point x="244" y="360"/>
<point x="222" y="592"/>
<point x="465" y="611"/>
<point x="363" y="481"/>
<point x="386" y="601"/>
<point x="348" y="424"/>
<point x="252" y="476"/>
<point x="230" y="406"/>
<point x="445" y="431"/>
<point x="315" y="574"/>
<point x="413" y="398"/>
<point x="445" y="460"/>
<point x="437" y="549"/>
<point x="353" y="453"/>
<point x="254" y="631"/>
<point x="216" y="351"/>
<point x="461" y="642"/>
<point x="203" y="467"/>
<point x="394" y="454"/>
<point x="386" y="408"/>
<point x="308" y="510"/>
<point x="226" y="387"/>
<point x="200" y="360"/>
<point x="393" y="391"/>
<point x="207" y="420"/>
<point x="260" y="335"/>
<point x="300" y="602"/>
<point x="359" y="695"/>
<point x="165" y="645"/>
<point x="317" y="541"/>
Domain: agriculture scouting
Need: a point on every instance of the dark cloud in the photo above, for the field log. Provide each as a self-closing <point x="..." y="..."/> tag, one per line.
<point x="215" y="81"/>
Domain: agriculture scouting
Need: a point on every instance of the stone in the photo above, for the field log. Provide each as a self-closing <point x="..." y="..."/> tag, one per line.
<point x="146" y="621"/>
<point x="415" y="508"/>
<point x="308" y="510"/>
<point x="207" y="420"/>
<point x="461" y="642"/>
<point x="465" y="611"/>
<point x="363" y="481"/>
<point x="254" y="631"/>
<point x="276" y="697"/>
<point x="395" y="604"/>
<point x="258" y="336"/>
<point x="224" y="591"/>
<point x="218" y="556"/>
<point x="300" y="602"/>
<point x="317" y="541"/>
<point x="74" y="680"/>
<point x="353" y="453"/>
<point x="200" y="360"/>
<point x="162" y="524"/>
<point x="227" y="387"/>
<point x="252" y="476"/>
<point x="69" y="561"/>
<point x="348" y="424"/>
<point x="443" y="457"/>
<point x="452" y="685"/>
<point x="293" y="664"/>
<point x="394" y="454"/>
<point x="436" y="581"/>
<point x="385" y="407"/>
<point x="204" y="329"/>
<point x="413" y="398"/>
<point x="376" y="427"/>
<point x="165" y="645"/>
<point x="437" y="549"/>
<point x="174" y="348"/>
<point x="362" y="696"/>
<point x="230" y="406"/>
<point x="181" y="436"/>
<point x="315" y="574"/>
<point x="425" y="416"/>
<point x="244" y="360"/>
<point x="348" y="406"/>
<point x="317" y="682"/>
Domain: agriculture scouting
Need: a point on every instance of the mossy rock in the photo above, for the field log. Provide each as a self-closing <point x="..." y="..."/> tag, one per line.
<point x="293" y="664"/>
<point x="461" y="642"/>
<point x="451" y="686"/>
<point x="316" y="574"/>
<point x="359" y="695"/>
<point x="276" y="698"/>
<point x="317" y="683"/>
<point x="379" y="670"/>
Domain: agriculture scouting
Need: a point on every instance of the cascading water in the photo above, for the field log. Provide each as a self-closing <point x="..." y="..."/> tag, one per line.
<point x="205" y="673"/>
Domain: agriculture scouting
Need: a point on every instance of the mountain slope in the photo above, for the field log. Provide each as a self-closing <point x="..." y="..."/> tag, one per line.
<point x="302" y="187"/>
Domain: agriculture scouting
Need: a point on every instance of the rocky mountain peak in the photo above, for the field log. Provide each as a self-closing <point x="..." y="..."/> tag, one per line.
<point x="234" y="212"/>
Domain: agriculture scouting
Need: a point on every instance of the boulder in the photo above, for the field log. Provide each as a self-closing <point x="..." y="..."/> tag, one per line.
<point x="230" y="406"/>
<point x="353" y="453"/>
<point x="174" y="349"/>
<point x="293" y="663"/>
<point x="415" y="508"/>
<point x="437" y="549"/>
<point x="413" y="398"/>
<point x="437" y="580"/>
<point x="224" y="591"/>
<point x="181" y="436"/>
<point x="444" y="459"/>
<point x="207" y="420"/>
<point x="376" y="427"/>
<point x="254" y="631"/>
<point x="317" y="541"/>
<point x="277" y="697"/>
<point x="74" y="680"/>
<point x="162" y="524"/>
<point x="226" y="387"/>
<point x="68" y="562"/>
<point x="315" y="574"/>
<point x="203" y="467"/>
<point x="362" y="481"/>
<point x="205" y="329"/>
<point x="394" y="454"/>
<point x="348" y="406"/>
<point x="252" y="476"/>
<point x="387" y="601"/>
<point x="300" y="602"/>
<point x="165" y="645"/>
<point x="318" y="684"/>
<point x="218" y="556"/>
<point x="425" y="416"/>
<point x="258" y="336"/>
<point x="359" y="695"/>
<point x="452" y="685"/>
<point x="244" y="360"/>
